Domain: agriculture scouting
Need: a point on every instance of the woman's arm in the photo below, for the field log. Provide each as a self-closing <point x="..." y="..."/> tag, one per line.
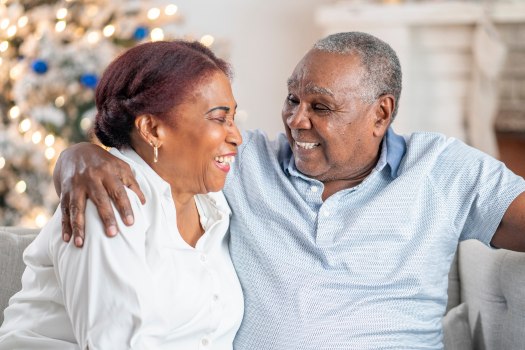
<point x="87" y="171"/>
<point x="107" y="286"/>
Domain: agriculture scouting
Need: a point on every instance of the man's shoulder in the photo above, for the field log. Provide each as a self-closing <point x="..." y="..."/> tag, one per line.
<point x="256" y="144"/>
<point x="431" y="145"/>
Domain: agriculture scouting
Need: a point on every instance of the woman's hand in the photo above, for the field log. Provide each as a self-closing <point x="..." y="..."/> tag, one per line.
<point x="88" y="171"/>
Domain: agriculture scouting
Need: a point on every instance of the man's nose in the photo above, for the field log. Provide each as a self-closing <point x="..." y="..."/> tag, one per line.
<point x="299" y="119"/>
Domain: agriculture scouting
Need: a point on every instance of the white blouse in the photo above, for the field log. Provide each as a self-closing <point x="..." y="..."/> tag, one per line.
<point x="146" y="288"/>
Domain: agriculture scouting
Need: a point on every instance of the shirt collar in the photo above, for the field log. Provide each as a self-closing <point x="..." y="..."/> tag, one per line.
<point x="393" y="150"/>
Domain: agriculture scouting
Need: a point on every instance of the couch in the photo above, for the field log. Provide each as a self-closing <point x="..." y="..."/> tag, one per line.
<point x="486" y="305"/>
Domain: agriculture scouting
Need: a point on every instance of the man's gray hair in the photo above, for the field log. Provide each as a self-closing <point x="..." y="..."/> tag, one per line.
<point x="382" y="68"/>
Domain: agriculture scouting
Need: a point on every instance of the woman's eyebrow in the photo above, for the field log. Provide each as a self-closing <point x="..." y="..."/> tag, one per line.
<point x="220" y="108"/>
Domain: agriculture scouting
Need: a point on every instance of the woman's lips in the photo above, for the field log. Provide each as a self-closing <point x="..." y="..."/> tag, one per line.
<point x="223" y="162"/>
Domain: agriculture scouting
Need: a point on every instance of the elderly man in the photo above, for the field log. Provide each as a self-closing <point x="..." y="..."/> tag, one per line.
<point x="342" y="232"/>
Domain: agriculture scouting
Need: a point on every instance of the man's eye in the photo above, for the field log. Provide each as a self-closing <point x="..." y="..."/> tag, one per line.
<point x="291" y="99"/>
<point x="320" y="107"/>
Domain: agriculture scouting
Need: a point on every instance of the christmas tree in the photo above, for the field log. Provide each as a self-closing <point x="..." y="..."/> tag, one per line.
<point x="52" y="54"/>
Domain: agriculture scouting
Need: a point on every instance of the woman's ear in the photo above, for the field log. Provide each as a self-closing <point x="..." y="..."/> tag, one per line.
<point x="384" y="110"/>
<point x="146" y="126"/>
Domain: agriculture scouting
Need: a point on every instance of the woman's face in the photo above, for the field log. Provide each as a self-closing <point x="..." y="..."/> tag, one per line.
<point x="200" y="140"/>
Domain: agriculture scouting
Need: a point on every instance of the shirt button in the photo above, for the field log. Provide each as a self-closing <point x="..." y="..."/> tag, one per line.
<point x="314" y="189"/>
<point x="326" y="213"/>
<point x="203" y="258"/>
<point x="205" y="342"/>
<point x="215" y="297"/>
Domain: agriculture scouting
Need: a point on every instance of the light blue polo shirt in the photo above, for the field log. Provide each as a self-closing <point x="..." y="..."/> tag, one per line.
<point x="368" y="267"/>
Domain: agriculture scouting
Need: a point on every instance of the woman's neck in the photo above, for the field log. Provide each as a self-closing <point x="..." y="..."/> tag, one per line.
<point x="188" y="219"/>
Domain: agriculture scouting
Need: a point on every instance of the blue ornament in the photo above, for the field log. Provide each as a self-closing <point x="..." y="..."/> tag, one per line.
<point x="39" y="66"/>
<point x="140" y="33"/>
<point x="89" y="80"/>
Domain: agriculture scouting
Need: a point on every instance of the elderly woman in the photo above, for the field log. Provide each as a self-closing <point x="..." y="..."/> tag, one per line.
<point x="167" y="109"/>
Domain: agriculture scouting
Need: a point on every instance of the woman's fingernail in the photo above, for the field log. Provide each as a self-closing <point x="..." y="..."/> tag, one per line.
<point x="66" y="237"/>
<point x="78" y="241"/>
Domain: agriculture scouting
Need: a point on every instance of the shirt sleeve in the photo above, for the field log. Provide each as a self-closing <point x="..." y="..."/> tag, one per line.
<point x="106" y="283"/>
<point x="479" y="189"/>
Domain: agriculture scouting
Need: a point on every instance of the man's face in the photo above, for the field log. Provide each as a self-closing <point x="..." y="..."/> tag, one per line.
<point x="333" y="133"/>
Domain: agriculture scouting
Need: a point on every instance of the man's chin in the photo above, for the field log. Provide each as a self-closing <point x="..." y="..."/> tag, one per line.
<point x="307" y="168"/>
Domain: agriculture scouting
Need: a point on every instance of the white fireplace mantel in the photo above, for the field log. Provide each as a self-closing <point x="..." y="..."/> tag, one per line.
<point x="435" y="44"/>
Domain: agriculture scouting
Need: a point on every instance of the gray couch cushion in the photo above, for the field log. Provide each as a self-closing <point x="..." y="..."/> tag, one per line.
<point x="456" y="330"/>
<point x="493" y="286"/>
<point x="13" y="241"/>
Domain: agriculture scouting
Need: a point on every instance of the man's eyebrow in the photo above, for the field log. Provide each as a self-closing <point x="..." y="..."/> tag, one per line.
<point x="311" y="88"/>
<point x="314" y="89"/>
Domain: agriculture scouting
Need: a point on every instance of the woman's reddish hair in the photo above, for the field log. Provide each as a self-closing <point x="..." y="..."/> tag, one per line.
<point x="151" y="78"/>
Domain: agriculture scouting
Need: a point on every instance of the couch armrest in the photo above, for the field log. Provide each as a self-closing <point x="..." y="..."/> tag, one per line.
<point x="493" y="286"/>
<point x="13" y="241"/>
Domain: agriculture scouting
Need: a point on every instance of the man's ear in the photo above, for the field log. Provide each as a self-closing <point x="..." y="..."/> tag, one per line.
<point x="383" y="117"/>
<point x="146" y="126"/>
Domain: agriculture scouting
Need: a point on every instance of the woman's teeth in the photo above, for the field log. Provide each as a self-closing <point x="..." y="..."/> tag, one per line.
<point x="225" y="159"/>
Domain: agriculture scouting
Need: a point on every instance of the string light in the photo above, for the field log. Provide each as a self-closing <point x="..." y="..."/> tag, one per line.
<point x="22" y="21"/>
<point x="49" y="153"/>
<point x="41" y="220"/>
<point x="207" y="40"/>
<point x="153" y="13"/>
<point x="85" y="123"/>
<point x="62" y="13"/>
<point x="20" y="186"/>
<point x="2" y="162"/>
<point x="170" y="10"/>
<point x="4" y="23"/>
<point x="93" y="37"/>
<point x="14" y="112"/>
<point x="11" y="31"/>
<point x="25" y="125"/>
<point x="15" y="72"/>
<point x="36" y="137"/>
<point x="60" y="101"/>
<point x="108" y="30"/>
<point x="49" y="140"/>
<point x="157" y="34"/>
<point x="4" y="45"/>
<point x="60" y="26"/>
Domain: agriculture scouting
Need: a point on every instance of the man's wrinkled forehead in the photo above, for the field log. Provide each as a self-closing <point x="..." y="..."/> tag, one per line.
<point x="310" y="88"/>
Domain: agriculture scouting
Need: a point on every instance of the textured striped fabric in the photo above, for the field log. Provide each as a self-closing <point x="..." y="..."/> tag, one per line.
<point x="367" y="268"/>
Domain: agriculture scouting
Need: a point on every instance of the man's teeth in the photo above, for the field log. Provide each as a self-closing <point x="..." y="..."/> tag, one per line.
<point x="306" y="145"/>
<point x="226" y="159"/>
